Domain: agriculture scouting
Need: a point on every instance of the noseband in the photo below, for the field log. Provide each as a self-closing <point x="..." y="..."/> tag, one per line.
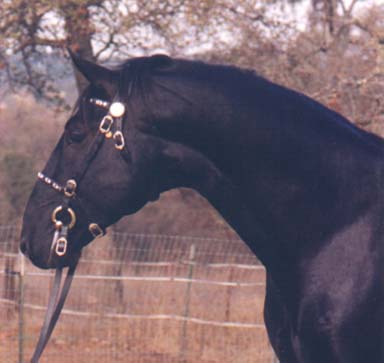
<point x="64" y="216"/>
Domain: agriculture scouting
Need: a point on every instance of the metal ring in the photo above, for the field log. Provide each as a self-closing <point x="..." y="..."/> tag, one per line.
<point x="70" y="188"/>
<point x="70" y="212"/>
<point x="96" y="230"/>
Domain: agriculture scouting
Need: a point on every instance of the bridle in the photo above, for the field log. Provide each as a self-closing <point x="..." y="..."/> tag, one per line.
<point x="64" y="216"/>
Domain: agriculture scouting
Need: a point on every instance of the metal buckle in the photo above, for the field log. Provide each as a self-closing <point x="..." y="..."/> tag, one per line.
<point x="119" y="140"/>
<point x="106" y="124"/>
<point x="71" y="213"/>
<point x="61" y="246"/>
<point x="70" y="188"/>
<point x="96" y="230"/>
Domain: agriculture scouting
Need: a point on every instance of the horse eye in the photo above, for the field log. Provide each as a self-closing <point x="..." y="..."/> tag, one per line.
<point x="76" y="136"/>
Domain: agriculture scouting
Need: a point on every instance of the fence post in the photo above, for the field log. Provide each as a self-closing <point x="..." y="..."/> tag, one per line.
<point x="21" y="308"/>
<point x="184" y="341"/>
<point x="228" y="295"/>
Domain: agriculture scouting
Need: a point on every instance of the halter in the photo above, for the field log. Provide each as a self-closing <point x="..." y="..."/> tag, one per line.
<point x="64" y="216"/>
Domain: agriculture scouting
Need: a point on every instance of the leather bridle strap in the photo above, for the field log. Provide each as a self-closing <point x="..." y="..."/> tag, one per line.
<point x="90" y="155"/>
<point x="59" y="244"/>
<point x="55" y="305"/>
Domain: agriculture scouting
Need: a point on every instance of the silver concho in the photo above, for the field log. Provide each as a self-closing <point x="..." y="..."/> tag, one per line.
<point x="117" y="109"/>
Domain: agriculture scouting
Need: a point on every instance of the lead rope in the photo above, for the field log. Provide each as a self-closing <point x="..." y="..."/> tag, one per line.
<point x="55" y="305"/>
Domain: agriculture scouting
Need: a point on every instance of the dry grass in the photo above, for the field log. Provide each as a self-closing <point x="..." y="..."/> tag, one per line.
<point x="134" y="340"/>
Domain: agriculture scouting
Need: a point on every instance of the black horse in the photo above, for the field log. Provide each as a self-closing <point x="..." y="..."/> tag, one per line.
<point x="299" y="183"/>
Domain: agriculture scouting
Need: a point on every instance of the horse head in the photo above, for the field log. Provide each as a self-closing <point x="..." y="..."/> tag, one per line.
<point x="109" y="162"/>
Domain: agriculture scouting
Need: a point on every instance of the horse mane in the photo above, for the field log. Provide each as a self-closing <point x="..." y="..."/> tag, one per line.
<point x="136" y="76"/>
<point x="137" y="70"/>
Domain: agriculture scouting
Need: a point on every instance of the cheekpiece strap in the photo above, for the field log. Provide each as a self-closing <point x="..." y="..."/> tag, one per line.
<point x="113" y="120"/>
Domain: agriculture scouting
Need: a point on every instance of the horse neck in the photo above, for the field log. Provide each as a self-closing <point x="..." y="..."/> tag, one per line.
<point x="290" y="168"/>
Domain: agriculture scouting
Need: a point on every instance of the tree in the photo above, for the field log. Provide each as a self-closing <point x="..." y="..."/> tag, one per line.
<point x="34" y="33"/>
<point x="32" y="30"/>
<point x="343" y="68"/>
<point x="338" y="58"/>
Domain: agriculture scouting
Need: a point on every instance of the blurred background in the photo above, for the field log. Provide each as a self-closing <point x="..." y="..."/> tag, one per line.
<point x="331" y="50"/>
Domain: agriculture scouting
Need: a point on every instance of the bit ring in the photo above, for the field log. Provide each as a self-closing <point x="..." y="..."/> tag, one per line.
<point x="71" y="213"/>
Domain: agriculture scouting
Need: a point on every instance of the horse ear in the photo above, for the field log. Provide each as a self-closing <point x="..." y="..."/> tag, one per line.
<point x="94" y="73"/>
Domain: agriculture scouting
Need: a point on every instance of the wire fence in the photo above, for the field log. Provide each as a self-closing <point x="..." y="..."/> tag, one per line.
<point x="140" y="298"/>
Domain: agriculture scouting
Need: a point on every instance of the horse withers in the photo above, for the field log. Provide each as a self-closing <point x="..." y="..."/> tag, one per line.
<point x="300" y="184"/>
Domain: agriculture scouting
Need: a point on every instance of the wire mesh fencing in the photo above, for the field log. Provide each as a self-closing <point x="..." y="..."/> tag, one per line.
<point x="140" y="298"/>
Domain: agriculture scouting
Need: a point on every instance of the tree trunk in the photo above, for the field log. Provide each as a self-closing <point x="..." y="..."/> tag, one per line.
<point x="79" y="34"/>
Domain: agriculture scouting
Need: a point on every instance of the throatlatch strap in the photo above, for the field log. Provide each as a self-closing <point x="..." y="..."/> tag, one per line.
<point x="55" y="305"/>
